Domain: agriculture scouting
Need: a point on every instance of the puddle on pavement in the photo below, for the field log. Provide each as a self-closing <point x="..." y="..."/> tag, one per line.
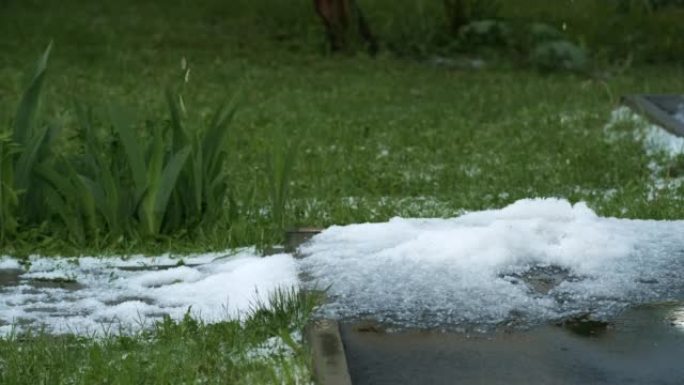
<point x="643" y="345"/>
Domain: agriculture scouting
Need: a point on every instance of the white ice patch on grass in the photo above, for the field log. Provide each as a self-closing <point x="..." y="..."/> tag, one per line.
<point x="661" y="145"/>
<point x="479" y="268"/>
<point x="280" y="354"/>
<point x="656" y="139"/>
<point x="274" y="346"/>
<point x="9" y="263"/>
<point x="166" y="277"/>
<point x="94" y="295"/>
<point x="47" y="275"/>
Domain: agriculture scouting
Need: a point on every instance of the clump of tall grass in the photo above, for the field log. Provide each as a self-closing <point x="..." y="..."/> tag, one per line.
<point x="122" y="181"/>
<point x="22" y="147"/>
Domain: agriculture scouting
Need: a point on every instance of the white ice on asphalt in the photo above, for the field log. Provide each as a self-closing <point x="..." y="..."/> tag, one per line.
<point x="470" y="270"/>
<point x="114" y="294"/>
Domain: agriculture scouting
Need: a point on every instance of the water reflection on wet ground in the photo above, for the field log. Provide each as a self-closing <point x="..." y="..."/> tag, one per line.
<point x="643" y="345"/>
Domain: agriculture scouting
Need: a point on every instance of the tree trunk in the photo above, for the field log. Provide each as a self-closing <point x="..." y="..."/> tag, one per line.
<point x="456" y="13"/>
<point x="336" y="16"/>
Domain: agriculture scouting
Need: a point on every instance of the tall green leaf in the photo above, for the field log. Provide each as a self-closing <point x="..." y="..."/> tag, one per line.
<point x="27" y="159"/>
<point x="69" y="198"/>
<point x="23" y="122"/>
<point x="8" y="195"/>
<point x="214" y="142"/>
<point x="133" y="149"/>
<point x="167" y="184"/>
<point x="179" y="135"/>
<point x="279" y="166"/>
<point x="203" y="185"/>
<point x="101" y="176"/>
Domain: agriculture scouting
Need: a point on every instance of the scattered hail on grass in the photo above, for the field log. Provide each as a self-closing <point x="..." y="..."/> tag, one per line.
<point x="661" y="146"/>
<point x="418" y="206"/>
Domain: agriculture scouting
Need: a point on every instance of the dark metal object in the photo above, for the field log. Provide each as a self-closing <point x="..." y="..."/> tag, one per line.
<point x="660" y="109"/>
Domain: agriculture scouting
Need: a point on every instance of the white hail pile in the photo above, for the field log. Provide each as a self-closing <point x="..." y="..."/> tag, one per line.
<point x="470" y="270"/>
<point x="466" y="270"/>
<point x="97" y="295"/>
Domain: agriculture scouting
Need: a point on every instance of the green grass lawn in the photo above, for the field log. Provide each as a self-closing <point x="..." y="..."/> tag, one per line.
<point x="375" y="134"/>
<point x="371" y="132"/>
<point x="265" y="348"/>
<point x="376" y="138"/>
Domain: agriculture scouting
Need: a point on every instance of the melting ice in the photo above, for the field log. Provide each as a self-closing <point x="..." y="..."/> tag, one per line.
<point x="95" y="295"/>
<point x="533" y="261"/>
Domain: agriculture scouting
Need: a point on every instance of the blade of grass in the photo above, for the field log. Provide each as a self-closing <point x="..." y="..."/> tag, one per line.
<point x="279" y="165"/>
<point x="27" y="159"/>
<point x="132" y="148"/>
<point x="146" y="212"/>
<point x="100" y="176"/>
<point x="23" y="122"/>
<point x="215" y="140"/>
<point x="167" y="184"/>
<point x="8" y="195"/>
<point x="74" y="193"/>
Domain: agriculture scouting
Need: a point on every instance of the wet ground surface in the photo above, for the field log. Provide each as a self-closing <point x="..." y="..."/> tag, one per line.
<point x="541" y="279"/>
<point x="10" y="277"/>
<point x="644" y="345"/>
<point x="13" y="277"/>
